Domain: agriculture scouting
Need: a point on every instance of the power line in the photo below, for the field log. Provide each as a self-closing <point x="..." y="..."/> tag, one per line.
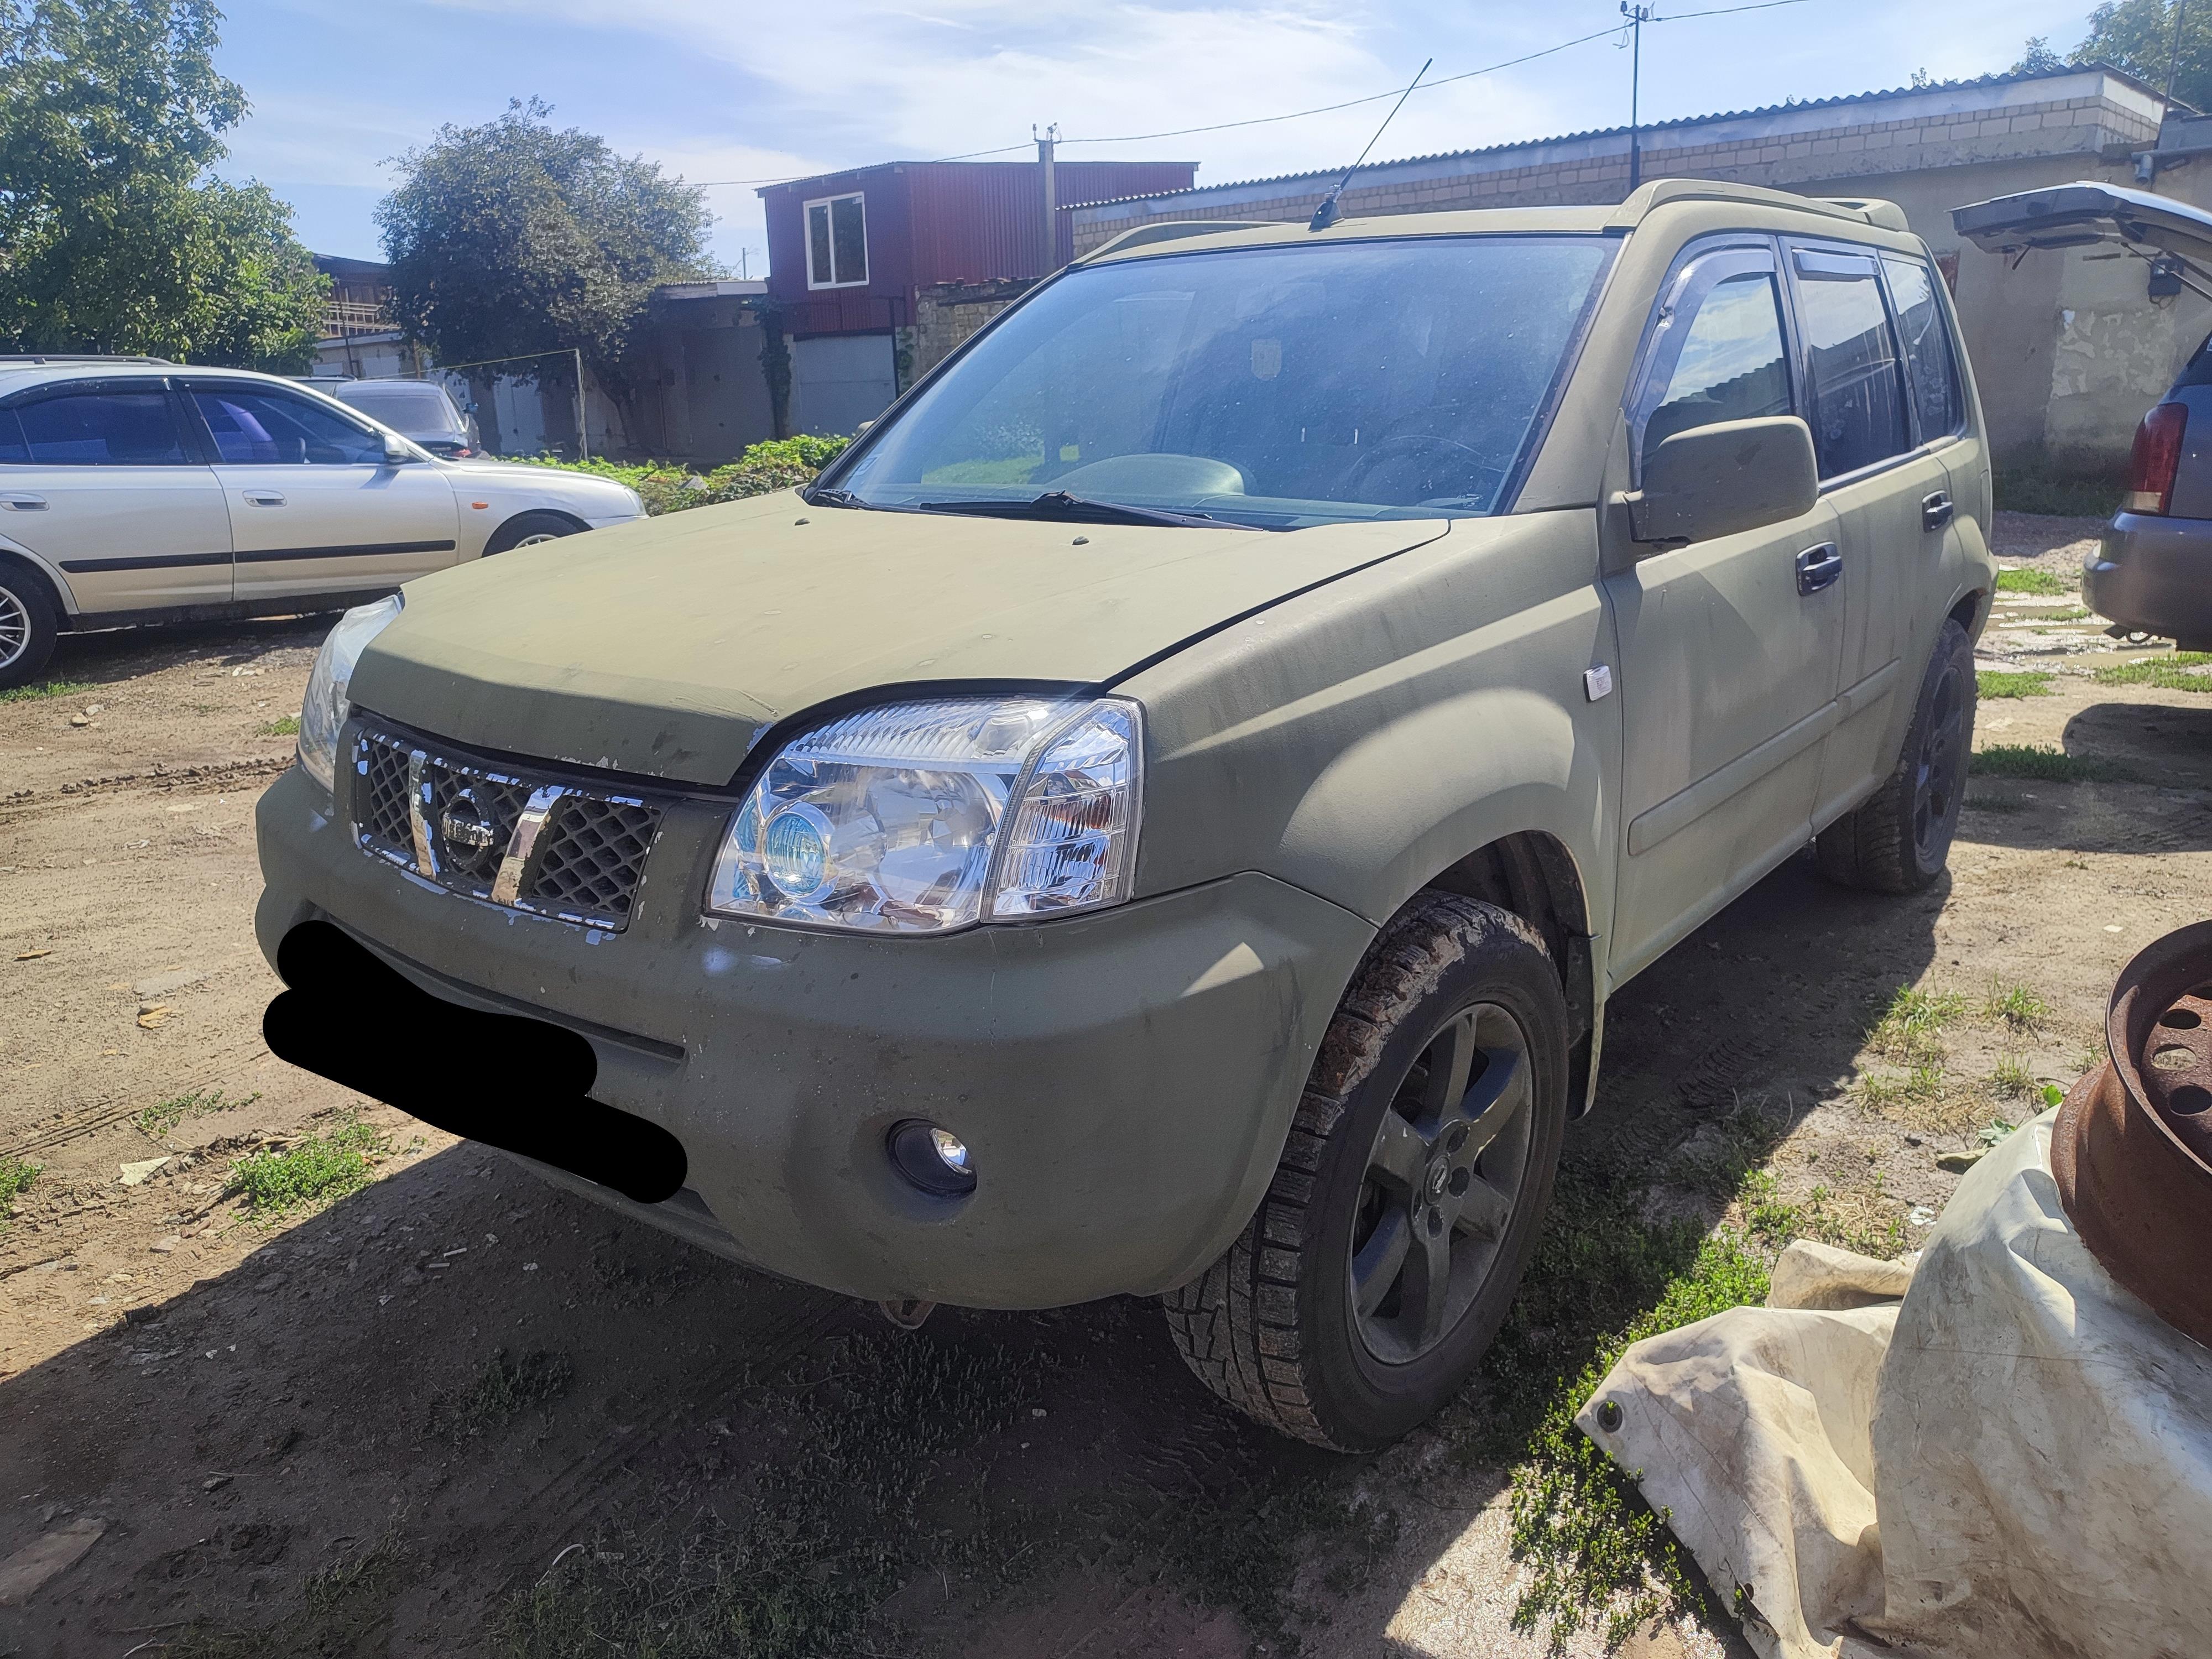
<point x="1320" y="109"/>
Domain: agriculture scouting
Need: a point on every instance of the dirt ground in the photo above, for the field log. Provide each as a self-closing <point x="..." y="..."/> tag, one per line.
<point x="457" y="1412"/>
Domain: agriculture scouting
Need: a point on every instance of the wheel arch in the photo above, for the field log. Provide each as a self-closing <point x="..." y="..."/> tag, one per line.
<point x="492" y="542"/>
<point x="56" y="585"/>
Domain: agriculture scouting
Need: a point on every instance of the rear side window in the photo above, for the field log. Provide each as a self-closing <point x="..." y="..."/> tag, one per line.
<point x="1732" y="366"/>
<point x="410" y="407"/>
<point x="1936" y="399"/>
<point x="1857" y="391"/>
<point x="102" y="428"/>
<point x="13" y="449"/>
<point x="251" y="426"/>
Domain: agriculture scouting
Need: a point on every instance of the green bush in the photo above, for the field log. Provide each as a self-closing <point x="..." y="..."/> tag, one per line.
<point x="665" y="487"/>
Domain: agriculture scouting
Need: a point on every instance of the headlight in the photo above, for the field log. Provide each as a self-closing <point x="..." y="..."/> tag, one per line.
<point x="918" y="818"/>
<point x="327" y="704"/>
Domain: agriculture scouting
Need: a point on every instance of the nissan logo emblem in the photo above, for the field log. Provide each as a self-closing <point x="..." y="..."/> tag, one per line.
<point x="463" y="824"/>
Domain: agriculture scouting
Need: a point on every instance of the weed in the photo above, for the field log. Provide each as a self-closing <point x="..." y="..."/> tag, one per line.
<point x="2053" y="1095"/>
<point x="2039" y="582"/>
<point x="288" y="727"/>
<point x="2002" y="683"/>
<point x="2042" y="764"/>
<point x="345" y="1613"/>
<point x="2016" y="1005"/>
<point x="2039" y="487"/>
<point x="1994" y="1133"/>
<point x="1920" y="1084"/>
<point x="504" y="1391"/>
<point x="158" y="1120"/>
<point x="318" y="1170"/>
<point x="2167" y="673"/>
<point x="2012" y="1080"/>
<point x="1909" y="1028"/>
<point x="2071" y="613"/>
<point x="45" y="689"/>
<point x="15" y="1176"/>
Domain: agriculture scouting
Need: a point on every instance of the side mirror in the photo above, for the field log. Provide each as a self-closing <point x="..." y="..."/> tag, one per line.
<point x="396" y="451"/>
<point x="1717" y="480"/>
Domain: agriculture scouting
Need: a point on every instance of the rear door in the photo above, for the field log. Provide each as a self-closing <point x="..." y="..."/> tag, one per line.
<point x="315" y="508"/>
<point x="101" y="477"/>
<point x="1892" y="497"/>
<point x="1728" y="648"/>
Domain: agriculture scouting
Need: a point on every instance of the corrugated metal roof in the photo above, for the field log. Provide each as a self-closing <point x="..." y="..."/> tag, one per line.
<point x="1331" y="174"/>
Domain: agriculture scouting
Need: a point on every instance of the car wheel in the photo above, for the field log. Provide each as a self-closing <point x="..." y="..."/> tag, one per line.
<point x="27" y="627"/>
<point x="529" y="530"/>
<point x="1382" y="1261"/>
<point x="1900" y="840"/>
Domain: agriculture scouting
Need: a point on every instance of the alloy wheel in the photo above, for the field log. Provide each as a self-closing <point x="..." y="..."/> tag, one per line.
<point x="1937" y="773"/>
<point x="533" y="540"/>
<point x="15" y="628"/>
<point x="1446" y="1170"/>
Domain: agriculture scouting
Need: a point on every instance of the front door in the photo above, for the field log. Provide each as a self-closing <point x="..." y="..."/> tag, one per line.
<point x="1730" y="648"/>
<point x="315" y="507"/>
<point x="97" y="476"/>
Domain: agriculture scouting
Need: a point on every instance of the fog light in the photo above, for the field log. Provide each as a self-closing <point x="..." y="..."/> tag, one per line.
<point x="934" y="1159"/>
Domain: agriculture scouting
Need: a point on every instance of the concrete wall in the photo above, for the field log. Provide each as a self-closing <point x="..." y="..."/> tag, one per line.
<point x="2069" y="349"/>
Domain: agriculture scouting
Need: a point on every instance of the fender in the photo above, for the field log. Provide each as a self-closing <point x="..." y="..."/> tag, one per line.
<point x="48" y="568"/>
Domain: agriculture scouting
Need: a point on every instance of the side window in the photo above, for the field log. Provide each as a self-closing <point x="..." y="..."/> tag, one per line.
<point x="1927" y="362"/>
<point x="268" y="427"/>
<point x="836" y="242"/>
<point x="13" y="450"/>
<point x="1857" y="394"/>
<point x="1731" y="365"/>
<point x="113" y="426"/>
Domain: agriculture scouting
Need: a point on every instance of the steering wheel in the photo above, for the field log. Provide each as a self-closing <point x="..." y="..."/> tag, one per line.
<point x="1416" y="443"/>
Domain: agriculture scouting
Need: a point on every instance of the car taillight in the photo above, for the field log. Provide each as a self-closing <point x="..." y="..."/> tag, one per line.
<point x="2155" y="458"/>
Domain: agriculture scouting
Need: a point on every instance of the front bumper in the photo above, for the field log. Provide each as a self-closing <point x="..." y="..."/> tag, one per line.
<point x="1124" y="1081"/>
<point x="2156" y="574"/>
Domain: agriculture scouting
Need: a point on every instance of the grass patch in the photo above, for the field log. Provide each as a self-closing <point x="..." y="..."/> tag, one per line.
<point x="2040" y="763"/>
<point x="2046" y="584"/>
<point x="854" y="1503"/>
<point x="288" y="727"/>
<point x="2007" y="683"/>
<point x="2071" y="613"/>
<point x="318" y="1170"/>
<point x="2016" y="1005"/>
<point x="2056" y="495"/>
<point x="1911" y="1028"/>
<point x="16" y="1175"/>
<point x="345" y="1613"/>
<point x="504" y="1391"/>
<point x="45" y="689"/>
<point x="1921" y="1085"/>
<point x="2012" y="1080"/>
<point x="2168" y="673"/>
<point x="157" y="1120"/>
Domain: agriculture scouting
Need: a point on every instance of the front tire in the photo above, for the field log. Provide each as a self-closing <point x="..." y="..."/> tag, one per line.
<point x="28" y="627"/>
<point x="1900" y="840"/>
<point x="528" y="530"/>
<point x="1381" y="1263"/>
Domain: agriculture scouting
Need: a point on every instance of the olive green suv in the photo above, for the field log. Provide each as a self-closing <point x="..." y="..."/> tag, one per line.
<point x="1164" y="813"/>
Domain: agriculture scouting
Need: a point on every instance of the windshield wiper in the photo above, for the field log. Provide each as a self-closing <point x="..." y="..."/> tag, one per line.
<point x="838" y="498"/>
<point x="1058" y="504"/>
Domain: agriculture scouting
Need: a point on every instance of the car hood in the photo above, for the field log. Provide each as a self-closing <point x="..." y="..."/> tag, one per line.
<point x="665" y="647"/>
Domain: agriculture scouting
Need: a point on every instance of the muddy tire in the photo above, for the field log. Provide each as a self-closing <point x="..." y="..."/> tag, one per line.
<point x="1900" y="840"/>
<point x="28" y="626"/>
<point x="1382" y="1261"/>
<point x="529" y="530"/>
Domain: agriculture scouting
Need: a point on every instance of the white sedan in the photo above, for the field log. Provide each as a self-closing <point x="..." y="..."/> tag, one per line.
<point x="133" y="491"/>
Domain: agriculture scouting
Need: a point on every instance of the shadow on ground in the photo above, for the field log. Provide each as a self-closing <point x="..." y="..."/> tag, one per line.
<point x="413" y="1403"/>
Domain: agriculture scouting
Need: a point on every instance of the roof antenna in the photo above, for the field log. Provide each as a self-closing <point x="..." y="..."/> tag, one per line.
<point x="1326" y="214"/>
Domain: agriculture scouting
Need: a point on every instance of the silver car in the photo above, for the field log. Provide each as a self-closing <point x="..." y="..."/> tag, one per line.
<point x="2152" y="573"/>
<point x="419" y="409"/>
<point x="133" y="491"/>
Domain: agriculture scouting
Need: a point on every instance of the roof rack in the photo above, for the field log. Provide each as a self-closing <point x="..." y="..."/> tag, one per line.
<point x="1864" y="210"/>
<point x="43" y="357"/>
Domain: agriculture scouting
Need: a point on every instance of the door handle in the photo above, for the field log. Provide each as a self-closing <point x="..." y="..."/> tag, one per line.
<point x="1819" y="568"/>
<point x="263" y="497"/>
<point x="1936" y="510"/>
<point x="15" y="502"/>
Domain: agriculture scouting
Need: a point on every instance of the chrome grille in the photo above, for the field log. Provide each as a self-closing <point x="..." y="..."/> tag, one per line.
<point x="557" y="849"/>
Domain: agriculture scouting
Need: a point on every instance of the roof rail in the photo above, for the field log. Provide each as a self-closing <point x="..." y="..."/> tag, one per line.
<point x="1865" y="211"/>
<point x="1169" y="230"/>
<point x="80" y="357"/>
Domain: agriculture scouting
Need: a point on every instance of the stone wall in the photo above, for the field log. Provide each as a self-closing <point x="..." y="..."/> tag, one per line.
<point x="946" y="313"/>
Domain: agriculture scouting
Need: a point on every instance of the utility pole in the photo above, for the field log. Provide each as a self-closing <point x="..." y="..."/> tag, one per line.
<point x="1637" y="16"/>
<point x="1050" y="261"/>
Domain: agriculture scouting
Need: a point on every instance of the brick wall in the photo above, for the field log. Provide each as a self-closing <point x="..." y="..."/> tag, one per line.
<point x="946" y="313"/>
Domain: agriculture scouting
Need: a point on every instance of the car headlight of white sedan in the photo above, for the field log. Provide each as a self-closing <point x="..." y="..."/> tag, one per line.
<point x="922" y="816"/>
<point x="323" y="713"/>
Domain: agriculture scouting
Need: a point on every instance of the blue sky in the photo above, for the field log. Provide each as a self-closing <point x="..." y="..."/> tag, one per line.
<point x="721" y="91"/>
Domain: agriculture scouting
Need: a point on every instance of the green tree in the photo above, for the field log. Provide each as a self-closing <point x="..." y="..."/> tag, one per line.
<point x="2137" y="36"/>
<point x="114" y="234"/>
<point x="511" y="238"/>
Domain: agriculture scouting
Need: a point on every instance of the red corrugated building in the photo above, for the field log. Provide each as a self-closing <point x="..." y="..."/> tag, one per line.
<point x="851" y="253"/>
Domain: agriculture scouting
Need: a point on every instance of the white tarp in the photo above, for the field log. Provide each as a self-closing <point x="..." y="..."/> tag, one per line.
<point x="2017" y="1460"/>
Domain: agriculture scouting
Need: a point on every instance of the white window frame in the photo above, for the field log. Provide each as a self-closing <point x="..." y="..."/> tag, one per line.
<point x="806" y="235"/>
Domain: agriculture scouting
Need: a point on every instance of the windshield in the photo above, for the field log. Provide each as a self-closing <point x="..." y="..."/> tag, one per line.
<point x="1277" y="385"/>
<point x="412" y="407"/>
